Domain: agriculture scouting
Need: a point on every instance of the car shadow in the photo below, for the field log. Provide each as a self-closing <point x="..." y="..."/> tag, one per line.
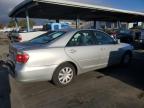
<point x="132" y="74"/>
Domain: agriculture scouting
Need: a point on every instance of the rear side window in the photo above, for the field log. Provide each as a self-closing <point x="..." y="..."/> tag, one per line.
<point x="48" y="37"/>
<point x="82" y="38"/>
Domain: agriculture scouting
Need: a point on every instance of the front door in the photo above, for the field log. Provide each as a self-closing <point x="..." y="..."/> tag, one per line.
<point x="110" y="52"/>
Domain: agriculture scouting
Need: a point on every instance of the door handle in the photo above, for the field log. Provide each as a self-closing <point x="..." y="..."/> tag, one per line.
<point x="72" y="51"/>
<point x="102" y="48"/>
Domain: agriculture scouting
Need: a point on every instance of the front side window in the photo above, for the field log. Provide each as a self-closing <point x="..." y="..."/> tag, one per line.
<point x="103" y="38"/>
<point x="82" y="38"/>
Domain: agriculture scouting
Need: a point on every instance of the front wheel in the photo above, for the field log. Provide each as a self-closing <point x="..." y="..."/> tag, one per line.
<point x="126" y="59"/>
<point x="64" y="74"/>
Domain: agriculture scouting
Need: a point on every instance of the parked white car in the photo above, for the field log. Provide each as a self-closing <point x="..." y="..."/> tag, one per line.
<point x="24" y="36"/>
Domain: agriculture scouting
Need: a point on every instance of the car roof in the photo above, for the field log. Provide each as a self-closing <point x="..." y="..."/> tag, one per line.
<point x="75" y="30"/>
<point x="65" y="30"/>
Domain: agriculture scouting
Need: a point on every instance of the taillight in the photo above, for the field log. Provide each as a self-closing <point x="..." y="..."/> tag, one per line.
<point x="19" y="38"/>
<point x="22" y="58"/>
<point x="114" y="33"/>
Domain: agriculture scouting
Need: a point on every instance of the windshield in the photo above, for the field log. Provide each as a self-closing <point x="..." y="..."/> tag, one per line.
<point x="47" y="37"/>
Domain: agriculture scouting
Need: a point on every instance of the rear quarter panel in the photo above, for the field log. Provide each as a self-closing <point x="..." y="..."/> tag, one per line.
<point x="47" y="57"/>
<point x="41" y="64"/>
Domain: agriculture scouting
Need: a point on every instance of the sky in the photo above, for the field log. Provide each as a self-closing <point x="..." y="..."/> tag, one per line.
<point x="134" y="5"/>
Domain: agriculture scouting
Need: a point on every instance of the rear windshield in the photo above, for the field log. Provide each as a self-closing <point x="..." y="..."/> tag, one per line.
<point x="47" y="37"/>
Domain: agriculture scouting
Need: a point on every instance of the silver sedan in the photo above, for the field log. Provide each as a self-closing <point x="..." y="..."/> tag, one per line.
<point x="61" y="55"/>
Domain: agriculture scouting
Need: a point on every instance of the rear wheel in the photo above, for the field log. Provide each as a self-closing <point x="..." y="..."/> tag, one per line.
<point x="64" y="74"/>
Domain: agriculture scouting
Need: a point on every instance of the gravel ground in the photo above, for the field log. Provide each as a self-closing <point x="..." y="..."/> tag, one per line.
<point x="4" y="45"/>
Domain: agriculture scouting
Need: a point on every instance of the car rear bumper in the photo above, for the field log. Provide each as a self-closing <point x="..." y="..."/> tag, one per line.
<point x="34" y="74"/>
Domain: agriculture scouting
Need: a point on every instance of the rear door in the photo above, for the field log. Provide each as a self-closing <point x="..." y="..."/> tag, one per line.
<point x="83" y="50"/>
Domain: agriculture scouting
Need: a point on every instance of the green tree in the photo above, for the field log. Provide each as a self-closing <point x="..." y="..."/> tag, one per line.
<point x="22" y="23"/>
<point x="11" y="23"/>
<point x="1" y="26"/>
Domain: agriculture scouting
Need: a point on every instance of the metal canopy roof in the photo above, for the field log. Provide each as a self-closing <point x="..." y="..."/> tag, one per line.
<point x="62" y="9"/>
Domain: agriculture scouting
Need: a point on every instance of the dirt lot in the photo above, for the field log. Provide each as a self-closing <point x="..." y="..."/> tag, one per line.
<point x="3" y="46"/>
<point x="113" y="87"/>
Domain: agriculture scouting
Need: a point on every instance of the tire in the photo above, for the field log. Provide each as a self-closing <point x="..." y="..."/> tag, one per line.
<point x="126" y="59"/>
<point x="64" y="75"/>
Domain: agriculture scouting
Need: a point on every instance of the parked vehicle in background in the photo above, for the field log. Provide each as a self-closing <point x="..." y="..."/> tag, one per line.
<point x="10" y="36"/>
<point x="56" y="26"/>
<point x="21" y="36"/>
<point x="142" y="36"/>
<point x="111" y="32"/>
<point x="125" y="36"/>
<point x="61" y="55"/>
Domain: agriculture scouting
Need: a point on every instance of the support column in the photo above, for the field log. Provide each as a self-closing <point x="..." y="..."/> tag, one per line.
<point x="119" y="24"/>
<point x="16" y="24"/>
<point x="95" y="24"/>
<point x="77" y="23"/>
<point x="57" y="21"/>
<point x="27" y="19"/>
